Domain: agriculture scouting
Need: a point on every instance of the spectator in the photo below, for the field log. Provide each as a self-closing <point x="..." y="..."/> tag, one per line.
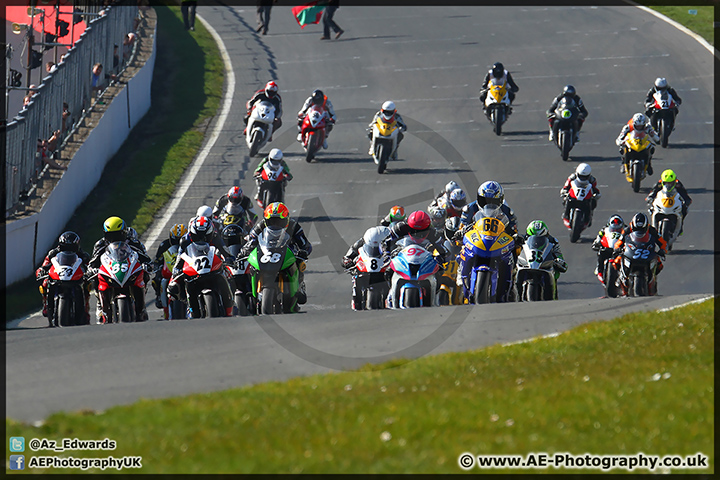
<point x="263" y="15"/>
<point x="66" y="122"/>
<point x="27" y="99"/>
<point x="128" y="43"/>
<point x="52" y="144"/>
<point x="116" y="59"/>
<point x="50" y="67"/>
<point x="43" y="155"/>
<point x="97" y="82"/>
<point x="328" y="21"/>
<point x="188" y="12"/>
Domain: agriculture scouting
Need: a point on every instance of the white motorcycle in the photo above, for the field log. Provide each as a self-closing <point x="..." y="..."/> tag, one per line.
<point x="536" y="275"/>
<point x="260" y="126"/>
<point x="666" y="215"/>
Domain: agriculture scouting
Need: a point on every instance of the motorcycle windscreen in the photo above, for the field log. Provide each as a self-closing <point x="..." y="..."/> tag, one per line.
<point x="273" y="238"/>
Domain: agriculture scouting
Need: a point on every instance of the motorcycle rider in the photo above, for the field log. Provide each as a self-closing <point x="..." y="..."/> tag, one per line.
<point x="176" y="233"/>
<point x="640" y="224"/>
<point x="373" y="238"/>
<point x="275" y="157"/>
<point x="498" y="72"/>
<point x="235" y="196"/>
<point x="396" y="214"/>
<point x="388" y="113"/>
<point x="615" y="224"/>
<point x="447" y="207"/>
<point x="134" y="238"/>
<point x="489" y="193"/>
<point x="661" y="85"/>
<point x="583" y="174"/>
<point x="582" y="112"/>
<point x="539" y="228"/>
<point x="277" y="215"/>
<point x="267" y="94"/>
<point x="669" y="179"/>
<point x="418" y="228"/>
<point x="449" y="187"/>
<point x="115" y="230"/>
<point x="67" y="242"/>
<point x="640" y="123"/>
<point x="201" y="230"/>
<point x="452" y="244"/>
<point x="320" y="99"/>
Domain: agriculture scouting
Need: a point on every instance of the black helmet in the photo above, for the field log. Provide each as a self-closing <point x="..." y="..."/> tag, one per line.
<point x="498" y="70"/>
<point x="569" y="90"/>
<point x="452" y="225"/>
<point x="317" y="97"/>
<point x="639" y="224"/>
<point x="69" y="242"/>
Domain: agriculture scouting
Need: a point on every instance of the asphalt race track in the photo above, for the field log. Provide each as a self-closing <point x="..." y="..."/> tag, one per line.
<point x="431" y="62"/>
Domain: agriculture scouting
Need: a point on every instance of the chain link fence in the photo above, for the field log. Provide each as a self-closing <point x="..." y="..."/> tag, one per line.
<point x="71" y="84"/>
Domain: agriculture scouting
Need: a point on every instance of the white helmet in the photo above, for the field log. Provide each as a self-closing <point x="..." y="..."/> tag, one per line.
<point x="451" y="185"/>
<point x="639" y="120"/>
<point x="661" y="83"/>
<point x="373" y="238"/>
<point x="204" y="211"/>
<point x="275" y="155"/>
<point x="387" y="110"/>
<point x="583" y="172"/>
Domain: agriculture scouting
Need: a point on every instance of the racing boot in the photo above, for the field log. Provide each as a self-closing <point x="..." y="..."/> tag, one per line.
<point x="301" y="295"/>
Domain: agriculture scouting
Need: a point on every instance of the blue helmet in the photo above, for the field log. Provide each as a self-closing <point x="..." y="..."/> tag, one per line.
<point x="490" y="193"/>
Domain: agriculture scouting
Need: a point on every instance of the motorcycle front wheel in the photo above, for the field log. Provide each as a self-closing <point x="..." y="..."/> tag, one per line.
<point x="566" y="145"/>
<point x="255" y="141"/>
<point x="636" y="177"/>
<point x="312" y="148"/>
<point x="482" y="287"/>
<point x="576" y="224"/>
<point x="382" y="153"/>
<point x="411" y="298"/>
<point x="267" y="304"/>
<point x="124" y="312"/>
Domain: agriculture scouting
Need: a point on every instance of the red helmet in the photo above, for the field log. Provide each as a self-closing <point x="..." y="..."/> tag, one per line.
<point x="419" y="221"/>
<point x="271" y="89"/>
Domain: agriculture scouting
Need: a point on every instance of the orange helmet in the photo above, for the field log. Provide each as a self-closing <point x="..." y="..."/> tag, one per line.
<point x="277" y="215"/>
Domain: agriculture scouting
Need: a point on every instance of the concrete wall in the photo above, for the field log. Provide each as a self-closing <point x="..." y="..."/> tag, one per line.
<point x="29" y="239"/>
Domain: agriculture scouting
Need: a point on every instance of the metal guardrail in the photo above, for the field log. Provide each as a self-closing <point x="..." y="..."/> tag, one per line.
<point x="70" y="83"/>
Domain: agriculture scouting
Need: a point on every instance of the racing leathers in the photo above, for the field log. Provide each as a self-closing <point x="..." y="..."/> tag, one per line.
<point x="400" y="122"/>
<point x="565" y="191"/>
<point x="582" y="113"/>
<point x="43" y="270"/>
<point x="559" y="264"/>
<point x="246" y="204"/>
<point x="329" y="114"/>
<point x="261" y="96"/>
<point x="510" y="82"/>
<point x="650" y="101"/>
<point x="654" y="238"/>
<point x="687" y="201"/>
<point x="619" y="141"/>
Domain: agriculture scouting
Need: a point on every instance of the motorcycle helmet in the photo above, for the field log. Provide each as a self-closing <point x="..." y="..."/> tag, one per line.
<point x="275" y="156"/>
<point x="233" y="234"/>
<point x="201" y="229"/>
<point x="419" y="223"/>
<point x="490" y="193"/>
<point x="115" y="230"/>
<point x="451" y="185"/>
<point x="397" y="214"/>
<point x="234" y="195"/>
<point x="639" y="121"/>
<point x="498" y="70"/>
<point x="458" y="199"/>
<point x="69" y="242"/>
<point x="271" y="89"/>
<point x="277" y="216"/>
<point x="583" y="172"/>
<point x="373" y="237"/>
<point x="387" y="111"/>
<point x="569" y="91"/>
<point x="177" y="231"/>
<point x="661" y="83"/>
<point x="318" y="97"/>
<point x="204" y="211"/>
<point x="669" y="180"/>
<point x="616" y="223"/>
<point x="639" y="224"/>
<point x="537" y="227"/>
<point x="452" y="225"/>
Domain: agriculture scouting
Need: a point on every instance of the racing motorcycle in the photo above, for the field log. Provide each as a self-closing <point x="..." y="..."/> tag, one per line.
<point x="384" y="142"/>
<point x="608" y="274"/>
<point x="497" y="104"/>
<point x="313" y="131"/>
<point x="565" y="116"/>
<point x="120" y="268"/>
<point x="233" y="214"/>
<point x="413" y="282"/>
<point x="369" y="277"/>
<point x="173" y="308"/>
<point x="662" y="115"/>
<point x="202" y="269"/>
<point x="666" y="215"/>
<point x="489" y="250"/>
<point x="275" y="273"/>
<point x="637" y="267"/>
<point x="638" y="152"/>
<point x="271" y="185"/>
<point x="260" y="126"/>
<point x="536" y="275"/>
<point x="65" y="291"/>
<point x="578" y="206"/>
<point x="449" y="293"/>
<point x="234" y="237"/>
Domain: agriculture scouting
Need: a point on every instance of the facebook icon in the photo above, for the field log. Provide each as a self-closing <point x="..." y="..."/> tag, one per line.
<point x="17" y="462"/>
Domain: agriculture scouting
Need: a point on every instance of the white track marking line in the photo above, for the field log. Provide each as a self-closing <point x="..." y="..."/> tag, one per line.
<point x="692" y="302"/>
<point x="179" y="195"/>
<point x="624" y="57"/>
<point x="549" y="335"/>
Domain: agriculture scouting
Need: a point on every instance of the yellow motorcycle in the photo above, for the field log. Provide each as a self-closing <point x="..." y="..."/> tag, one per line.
<point x="637" y="153"/>
<point x="497" y="104"/>
<point x="448" y="292"/>
<point x="384" y="142"/>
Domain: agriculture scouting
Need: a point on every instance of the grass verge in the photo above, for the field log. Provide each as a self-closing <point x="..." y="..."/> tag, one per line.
<point x="139" y="180"/>
<point x="641" y="383"/>
<point x="701" y="22"/>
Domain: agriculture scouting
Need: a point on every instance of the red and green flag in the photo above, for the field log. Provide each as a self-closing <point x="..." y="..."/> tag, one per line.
<point x="306" y="14"/>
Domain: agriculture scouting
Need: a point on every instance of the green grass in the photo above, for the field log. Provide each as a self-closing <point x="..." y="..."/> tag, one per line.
<point x="139" y="180"/>
<point x="641" y="383"/>
<point x="702" y="23"/>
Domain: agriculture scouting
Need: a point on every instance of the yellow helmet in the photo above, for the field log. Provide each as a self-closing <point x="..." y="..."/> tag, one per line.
<point x="114" y="224"/>
<point x="668" y="176"/>
<point x="177" y="231"/>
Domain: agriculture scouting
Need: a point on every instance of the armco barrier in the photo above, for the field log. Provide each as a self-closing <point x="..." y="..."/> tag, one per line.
<point x="29" y="239"/>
